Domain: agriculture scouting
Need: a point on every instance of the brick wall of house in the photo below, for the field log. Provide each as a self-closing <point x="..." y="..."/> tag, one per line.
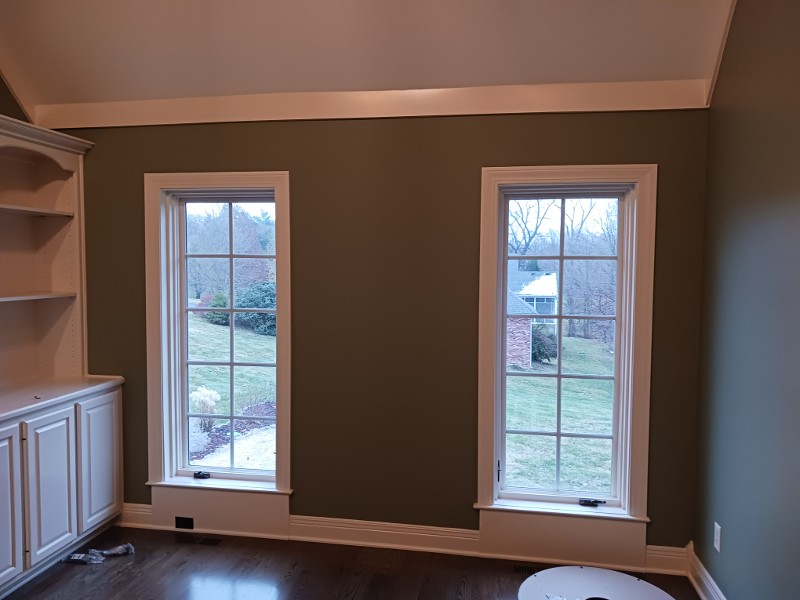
<point x="518" y="342"/>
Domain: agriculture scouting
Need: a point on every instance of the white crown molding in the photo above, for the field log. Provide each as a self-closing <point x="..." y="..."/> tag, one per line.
<point x="550" y="98"/>
<point x="42" y="137"/>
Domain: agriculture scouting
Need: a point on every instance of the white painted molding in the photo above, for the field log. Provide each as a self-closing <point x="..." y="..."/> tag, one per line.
<point x="420" y="538"/>
<point x="248" y="514"/>
<point x="563" y="539"/>
<point x="667" y="560"/>
<point x="713" y="81"/>
<point x="637" y="214"/>
<point x="384" y="535"/>
<point x="163" y="192"/>
<point x="701" y="579"/>
<point x="137" y="516"/>
<point x="43" y="137"/>
<point x="465" y="542"/>
<point x="545" y="98"/>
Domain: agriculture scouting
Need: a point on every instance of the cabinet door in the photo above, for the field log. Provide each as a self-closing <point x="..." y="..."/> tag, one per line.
<point x="49" y="456"/>
<point x="99" y="451"/>
<point x="10" y="504"/>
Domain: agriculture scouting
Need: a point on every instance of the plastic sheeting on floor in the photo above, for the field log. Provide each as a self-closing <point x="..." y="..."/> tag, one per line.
<point x="587" y="583"/>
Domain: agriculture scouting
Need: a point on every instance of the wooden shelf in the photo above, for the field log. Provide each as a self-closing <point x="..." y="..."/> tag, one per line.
<point x="33" y="212"/>
<point x="36" y="296"/>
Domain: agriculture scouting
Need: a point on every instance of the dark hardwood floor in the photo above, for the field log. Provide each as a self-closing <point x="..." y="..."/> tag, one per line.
<point x="188" y="566"/>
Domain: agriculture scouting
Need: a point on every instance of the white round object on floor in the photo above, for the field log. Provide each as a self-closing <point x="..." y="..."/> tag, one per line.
<point x="587" y="583"/>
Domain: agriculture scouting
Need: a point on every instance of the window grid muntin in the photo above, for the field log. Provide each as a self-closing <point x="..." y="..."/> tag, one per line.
<point x="557" y="494"/>
<point x="184" y="458"/>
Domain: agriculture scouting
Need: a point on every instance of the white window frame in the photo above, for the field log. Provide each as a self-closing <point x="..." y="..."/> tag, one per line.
<point x="165" y="194"/>
<point x="636" y="250"/>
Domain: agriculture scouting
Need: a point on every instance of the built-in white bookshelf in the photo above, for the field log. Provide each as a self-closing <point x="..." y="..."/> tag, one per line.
<point x="60" y="428"/>
<point x="42" y="321"/>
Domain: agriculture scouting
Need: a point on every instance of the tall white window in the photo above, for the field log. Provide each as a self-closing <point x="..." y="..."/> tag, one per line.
<point x="218" y="325"/>
<point x="566" y="295"/>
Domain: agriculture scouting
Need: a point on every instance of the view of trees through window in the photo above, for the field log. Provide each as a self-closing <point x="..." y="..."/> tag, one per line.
<point x="229" y="271"/>
<point x="561" y="311"/>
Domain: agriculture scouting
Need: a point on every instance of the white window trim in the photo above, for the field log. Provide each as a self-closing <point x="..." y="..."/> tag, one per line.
<point x="162" y="233"/>
<point x="640" y="215"/>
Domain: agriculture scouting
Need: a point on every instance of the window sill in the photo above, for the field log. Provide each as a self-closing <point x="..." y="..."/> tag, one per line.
<point x="556" y="509"/>
<point x="233" y="485"/>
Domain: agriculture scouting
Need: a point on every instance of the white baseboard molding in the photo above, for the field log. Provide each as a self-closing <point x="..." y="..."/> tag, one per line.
<point x="667" y="560"/>
<point x="467" y="542"/>
<point x="701" y="579"/>
<point x="384" y="535"/>
<point x="137" y="516"/>
<point x="246" y="513"/>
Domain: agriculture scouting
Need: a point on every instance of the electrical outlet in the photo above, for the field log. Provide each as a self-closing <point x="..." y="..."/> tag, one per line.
<point x="717" y="536"/>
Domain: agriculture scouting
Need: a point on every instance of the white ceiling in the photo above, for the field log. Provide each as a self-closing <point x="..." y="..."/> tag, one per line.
<point x="153" y="60"/>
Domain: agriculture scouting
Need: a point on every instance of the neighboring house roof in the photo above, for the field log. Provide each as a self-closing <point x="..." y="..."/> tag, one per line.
<point x="528" y="283"/>
<point x="544" y="285"/>
<point x="517" y="306"/>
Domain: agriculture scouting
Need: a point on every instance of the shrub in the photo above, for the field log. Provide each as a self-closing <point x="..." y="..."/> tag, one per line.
<point x="258" y="295"/>
<point x="205" y="401"/>
<point x="544" y="346"/>
<point x="218" y="318"/>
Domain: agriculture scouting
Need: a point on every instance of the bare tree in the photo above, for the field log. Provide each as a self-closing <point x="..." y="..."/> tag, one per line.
<point x="576" y="215"/>
<point x="609" y="226"/>
<point x="525" y="218"/>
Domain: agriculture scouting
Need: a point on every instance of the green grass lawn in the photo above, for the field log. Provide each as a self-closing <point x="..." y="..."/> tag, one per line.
<point x="253" y="385"/>
<point x="586" y="407"/>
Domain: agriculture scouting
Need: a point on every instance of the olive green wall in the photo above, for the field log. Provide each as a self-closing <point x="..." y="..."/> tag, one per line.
<point x="385" y="240"/>
<point x="8" y="104"/>
<point x="749" y="444"/>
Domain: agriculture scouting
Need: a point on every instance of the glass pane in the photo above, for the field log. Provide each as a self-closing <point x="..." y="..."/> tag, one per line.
<point x="254" y="391"/>
<point x="530" y="461"/>
<point x="590" y="226"/>
<point x="590" y="287"/>
<point x="209" y="442"/>
<point x="587" y="406"/>
<point x="254" y="228"/>
<point x="208" y="337"/>
<point x="254" y="445"/>
<point x="531" y="403"/>
<point x="207" y="282"/>
<point x="587" y="347"/>
<point x="254" y="337"/>
<point x="585" y="465"/>
<point x="254" y="282"/>
<point x="533" y="227"/>
<point x="531" y="345"/>
<point x="532" y="287"/>
<point x="207" y="228"/>
<point x="209" y="389"/>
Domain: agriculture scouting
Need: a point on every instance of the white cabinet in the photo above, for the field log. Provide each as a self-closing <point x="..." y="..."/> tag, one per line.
<point x="60" y="473"/>
<point x="60" y="428"/>
<point x="99" y="458"/>
<point x="10" y="504"/>
<point x="50" y="478"/>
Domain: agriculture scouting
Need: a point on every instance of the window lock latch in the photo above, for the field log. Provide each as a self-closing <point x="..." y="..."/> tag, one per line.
<point x="593" y="502"/>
